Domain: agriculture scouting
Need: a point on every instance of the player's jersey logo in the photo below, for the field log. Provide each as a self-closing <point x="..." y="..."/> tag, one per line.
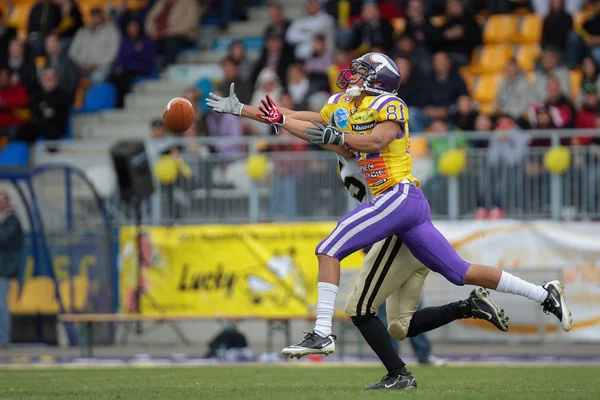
<point x="341" y="117"/>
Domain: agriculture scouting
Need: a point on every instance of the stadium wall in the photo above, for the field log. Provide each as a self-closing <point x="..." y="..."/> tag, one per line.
<point x="269" y="270"/>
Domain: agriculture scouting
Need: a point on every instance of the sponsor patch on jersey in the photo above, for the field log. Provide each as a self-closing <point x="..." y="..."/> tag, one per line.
<point x="364" y="116"/>
<point x="363" y="127"/>
<point x="347" y="99"/>
<point x="341" y="117"/>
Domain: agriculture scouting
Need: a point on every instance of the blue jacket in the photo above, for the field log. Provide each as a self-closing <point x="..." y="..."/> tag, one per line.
<point x="11" y="247"/>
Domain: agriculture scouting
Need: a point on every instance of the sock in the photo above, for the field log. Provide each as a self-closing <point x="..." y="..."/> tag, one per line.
<point x="377" y="337"/>
<point x="515" y="285"/>
<point x="326" y="294"/>
<point x="429" y="318"/>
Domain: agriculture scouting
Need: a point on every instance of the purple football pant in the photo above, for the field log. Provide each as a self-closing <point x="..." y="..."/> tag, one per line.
<point x="403" y="211"/>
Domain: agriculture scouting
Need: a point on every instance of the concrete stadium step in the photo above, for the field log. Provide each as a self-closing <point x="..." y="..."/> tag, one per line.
<point x="160" y="88"/>
<point x="210" y="57"/>
<point x="291" y="11"/>
<point x="159" y="100"/>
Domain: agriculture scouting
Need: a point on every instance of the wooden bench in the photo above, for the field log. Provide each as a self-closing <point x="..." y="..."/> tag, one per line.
<point x="275" y="325"/>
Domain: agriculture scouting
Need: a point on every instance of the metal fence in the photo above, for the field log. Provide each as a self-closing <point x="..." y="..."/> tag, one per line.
<point x="305" y="185"/>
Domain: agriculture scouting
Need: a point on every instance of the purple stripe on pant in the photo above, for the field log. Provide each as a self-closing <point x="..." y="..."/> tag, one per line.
<point x="403" y="211"/>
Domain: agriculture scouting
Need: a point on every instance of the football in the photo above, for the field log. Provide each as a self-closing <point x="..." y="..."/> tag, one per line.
<point x="179" y="115"/>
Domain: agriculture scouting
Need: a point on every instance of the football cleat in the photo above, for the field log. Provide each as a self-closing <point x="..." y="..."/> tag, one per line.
<point x="555" y="303"/>
<point x="482" y="307"/>
<point x="312" y="344"/>
<point x="395" y="382"/>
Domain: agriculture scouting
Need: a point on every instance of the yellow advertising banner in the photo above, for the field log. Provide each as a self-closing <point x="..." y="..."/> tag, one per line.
<point x="263" y="270"/>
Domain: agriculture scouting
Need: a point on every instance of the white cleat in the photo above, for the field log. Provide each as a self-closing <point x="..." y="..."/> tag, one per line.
<point x="312" y="344"/>
<point x="555" y="304"/>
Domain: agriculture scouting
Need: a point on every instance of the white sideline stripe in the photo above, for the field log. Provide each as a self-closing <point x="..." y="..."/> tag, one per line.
<point x="371" y="221"/>
<point x="355" y="217"/>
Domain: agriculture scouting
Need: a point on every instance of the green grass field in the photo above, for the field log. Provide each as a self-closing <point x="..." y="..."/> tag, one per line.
<point x="298" y="382"/>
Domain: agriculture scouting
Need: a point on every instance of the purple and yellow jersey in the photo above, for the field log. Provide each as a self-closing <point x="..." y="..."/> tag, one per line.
<point x="393" y="164"/>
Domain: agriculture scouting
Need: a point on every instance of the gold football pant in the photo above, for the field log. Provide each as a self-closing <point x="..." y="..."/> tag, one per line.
<point x="390" y="272"/>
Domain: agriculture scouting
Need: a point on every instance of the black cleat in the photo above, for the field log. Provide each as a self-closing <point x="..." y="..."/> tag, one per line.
<point x="555" y="303"/>
<point x="395" y="382"/>
<point x="482" y="307"/>
<point x="312" y="344"/>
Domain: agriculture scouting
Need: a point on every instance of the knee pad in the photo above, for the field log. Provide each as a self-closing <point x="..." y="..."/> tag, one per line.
<point x="398" y="328"/>
<point x="359" y="320"/>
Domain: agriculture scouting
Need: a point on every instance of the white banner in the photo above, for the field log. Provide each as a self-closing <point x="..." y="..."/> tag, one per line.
<point x="537" y="252"/>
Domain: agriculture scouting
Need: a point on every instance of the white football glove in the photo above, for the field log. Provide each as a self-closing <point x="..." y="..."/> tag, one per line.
<point x="325" y="134"/>
<point x="227" y="105"/>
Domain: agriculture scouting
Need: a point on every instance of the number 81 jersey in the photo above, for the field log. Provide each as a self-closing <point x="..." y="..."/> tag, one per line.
<point x="393" y="164"/>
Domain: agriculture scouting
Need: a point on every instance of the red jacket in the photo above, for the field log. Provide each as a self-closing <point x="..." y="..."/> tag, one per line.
<point x="14" y="103"/>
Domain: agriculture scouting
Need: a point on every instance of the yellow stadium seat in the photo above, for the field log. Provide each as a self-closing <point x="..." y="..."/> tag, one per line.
<point x="491" y="58"/>
<point x="530" y="29"/>
<point x="487" y="108"/>
<point x="580" y="18"/>
<point x="500" y="28"/>
<point x="575" y="78"/>
<point x="79" y="295"/>
<point x="38" y="296"/>
<point x="486" y="87"/>
<point x="19" y="16"/>
<point x="527" y="55"/>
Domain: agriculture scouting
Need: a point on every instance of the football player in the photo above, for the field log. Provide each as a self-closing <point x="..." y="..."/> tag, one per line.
<point x="369" y="123"/>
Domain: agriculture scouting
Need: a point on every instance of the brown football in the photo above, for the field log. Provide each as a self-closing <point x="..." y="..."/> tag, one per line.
<point x="179" y="115"/>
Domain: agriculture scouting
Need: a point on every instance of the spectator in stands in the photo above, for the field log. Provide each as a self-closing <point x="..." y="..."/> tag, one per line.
<point x="22" y="67"/>
<point x="371" y="31"/>
<point x="49" y="109"/>
<point x="484" y="123"/>
<point x="418" y="27"/>
<point x="411" y="92"/>
<point x="301" y="32"/>
<point x="590" y="73"/>
<point x="44" y="19"/>
<point x="505" y="156"/>
<point x="556" y="112"/>
<point x="460" y="33"/>
<point x="463" y="117"/>
<point x="585" y="40"/>
<point x="136" y="58"/>
<point x="194" y="96"/>
<point x="586" y="116"/>
<point x="231" y="74"/>
<point x="298" y="85"/>
<point x="267" y="83"/>
<point x="158" y="129"/>
<point x="68" y="76"/>
<point x="550" y="66"/>
<point x="420" y="56"/>
<point x="284" y="193"/>
<point x="123" y="13"/>
<point x="279" y="23"/>
<point x="514" y="92"/>
<point x="225" y="126"/>
<point x="12" y="242"/>
<point x="342" y="61"/>
<point x="7" y="34"/>
<point x="70" y="23"/>
<point x="444" y="87"/>
<point x="237" y="52"/>
<point x="173" y="25"/>
<point x="317" y="66"/>
<point x="557" y="25"/>
<point x="276" y="56"/>
<point x="95" y="47"/>
<point x="14" y="101"/>
<point x="544" y="7"/>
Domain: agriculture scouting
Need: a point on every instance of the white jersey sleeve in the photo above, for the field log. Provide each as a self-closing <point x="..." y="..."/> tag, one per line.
<point x="354" y="180"/>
